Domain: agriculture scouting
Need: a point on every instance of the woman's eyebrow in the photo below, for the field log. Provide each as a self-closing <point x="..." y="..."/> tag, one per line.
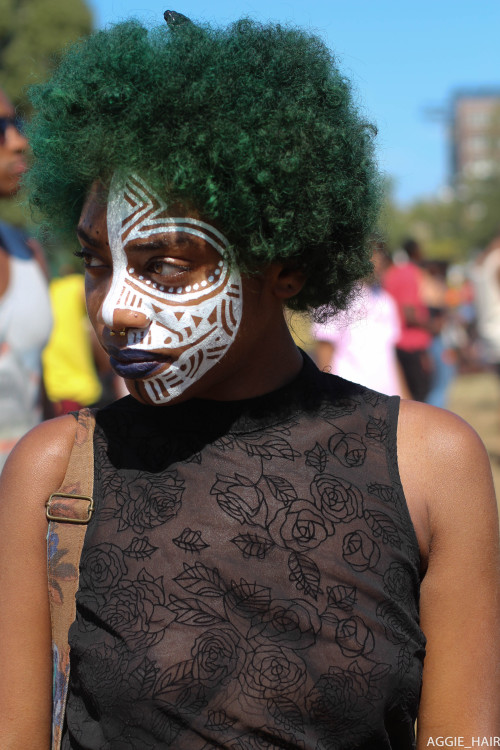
<point x="87" y="238"/>
<point x="148" y="245"/>
<point x="160" y="242"/>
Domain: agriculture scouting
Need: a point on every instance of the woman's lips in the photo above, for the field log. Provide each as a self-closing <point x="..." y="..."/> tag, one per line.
<point x="134" y="363"/>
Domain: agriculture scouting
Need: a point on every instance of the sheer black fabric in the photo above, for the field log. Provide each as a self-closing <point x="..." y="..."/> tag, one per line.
<point x="250" y="578"/>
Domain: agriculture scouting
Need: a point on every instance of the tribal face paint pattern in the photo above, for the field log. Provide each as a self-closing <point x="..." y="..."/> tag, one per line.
<point x="200" y="320"/>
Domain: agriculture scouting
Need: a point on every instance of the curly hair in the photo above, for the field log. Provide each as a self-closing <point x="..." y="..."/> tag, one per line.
<point x="252" y="124"/>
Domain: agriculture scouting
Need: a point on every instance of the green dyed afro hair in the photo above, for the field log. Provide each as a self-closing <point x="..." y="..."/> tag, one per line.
<point x="252" y="124"/>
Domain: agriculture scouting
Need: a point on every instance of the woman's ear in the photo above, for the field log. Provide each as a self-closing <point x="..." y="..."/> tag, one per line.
<point x="288" y="281"/>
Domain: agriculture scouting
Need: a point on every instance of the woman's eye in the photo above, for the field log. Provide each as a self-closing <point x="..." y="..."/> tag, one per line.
<point x="166" y="268"/>
<point x="89" y="260"/>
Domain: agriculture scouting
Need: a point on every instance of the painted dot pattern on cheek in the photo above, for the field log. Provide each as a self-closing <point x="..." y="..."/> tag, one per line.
<point x="193" y="324"/>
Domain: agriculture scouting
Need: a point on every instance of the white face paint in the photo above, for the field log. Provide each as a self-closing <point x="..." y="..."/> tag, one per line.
<point x="200" y="320"/>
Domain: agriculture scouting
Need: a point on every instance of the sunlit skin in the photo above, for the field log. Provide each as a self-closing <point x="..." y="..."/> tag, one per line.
<point x="261" y="357"/>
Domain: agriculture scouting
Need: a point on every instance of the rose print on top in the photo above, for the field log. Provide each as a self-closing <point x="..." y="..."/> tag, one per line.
<point x="273" y="671"/>
<point x="354" y="637"/>
<point x="399" y="582"/>
<point x="359" y="551"/>
<point x="218" y="657"/>
<point x="348" y="448"/>
<point x="339" y="500"/>
<point x="134" y="610"/>
<point x="300" y="527"/>
<point x="102" y="567"/>
<point x="240" y="498"/>
<point x="143" y="503"/>
<point x="292" y="624"/>
<point x="341" y="704"/>
<point x="263" y="595"/>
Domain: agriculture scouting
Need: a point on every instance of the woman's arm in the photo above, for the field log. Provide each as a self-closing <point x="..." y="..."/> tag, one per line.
<point x="35" y="468"/>
<point x="445" y="469"/>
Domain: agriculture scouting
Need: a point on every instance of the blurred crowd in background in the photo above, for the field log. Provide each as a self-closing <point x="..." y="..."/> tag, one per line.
<point x="415" y="325"/>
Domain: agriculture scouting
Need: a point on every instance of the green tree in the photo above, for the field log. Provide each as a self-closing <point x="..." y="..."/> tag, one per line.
<point x="32" y="35"/>
<point x="452" y="227"/>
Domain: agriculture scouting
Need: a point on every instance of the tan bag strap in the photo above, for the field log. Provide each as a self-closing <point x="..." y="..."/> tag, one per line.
<point x="68" y="511"/>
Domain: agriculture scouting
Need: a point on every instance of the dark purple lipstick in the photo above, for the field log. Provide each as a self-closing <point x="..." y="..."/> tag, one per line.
<point x="135" y="363"/>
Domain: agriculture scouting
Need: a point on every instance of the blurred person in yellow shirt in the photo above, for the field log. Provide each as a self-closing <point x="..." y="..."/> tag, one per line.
<point x="75" y="366"/>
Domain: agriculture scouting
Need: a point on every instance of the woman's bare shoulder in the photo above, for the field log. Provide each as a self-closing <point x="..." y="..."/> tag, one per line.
<point x="40" y="458"/>
<point x="439" y="442"/>
<point x="445" y="471"/>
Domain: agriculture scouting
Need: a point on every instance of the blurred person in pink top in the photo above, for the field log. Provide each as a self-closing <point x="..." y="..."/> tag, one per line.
<point x="359" y="344"/>
<point x="404" y="284"/>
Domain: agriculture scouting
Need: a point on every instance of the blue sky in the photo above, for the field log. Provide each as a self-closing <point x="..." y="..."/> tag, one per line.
<point x="404" y="58"/>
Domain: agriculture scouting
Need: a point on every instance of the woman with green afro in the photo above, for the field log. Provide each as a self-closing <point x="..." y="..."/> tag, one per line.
<point x="270" y="551"/>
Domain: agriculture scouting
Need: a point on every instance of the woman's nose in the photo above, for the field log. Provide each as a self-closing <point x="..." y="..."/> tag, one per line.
<point x="124" y="319"/>
<point x="122" y="308"/>
<point x="15" y="140"/>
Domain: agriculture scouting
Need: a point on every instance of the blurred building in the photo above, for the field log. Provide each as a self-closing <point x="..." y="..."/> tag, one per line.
<point x="475" y="134"/>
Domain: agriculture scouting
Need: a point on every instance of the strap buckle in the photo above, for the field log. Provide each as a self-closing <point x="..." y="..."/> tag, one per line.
<point x="68" y="519"/>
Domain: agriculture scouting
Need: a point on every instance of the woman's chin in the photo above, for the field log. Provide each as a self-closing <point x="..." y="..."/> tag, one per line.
<point x="138" y="389"/>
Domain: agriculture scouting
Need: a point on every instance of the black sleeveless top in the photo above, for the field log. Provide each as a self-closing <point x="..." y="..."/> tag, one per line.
<point x="250" y="578"/>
